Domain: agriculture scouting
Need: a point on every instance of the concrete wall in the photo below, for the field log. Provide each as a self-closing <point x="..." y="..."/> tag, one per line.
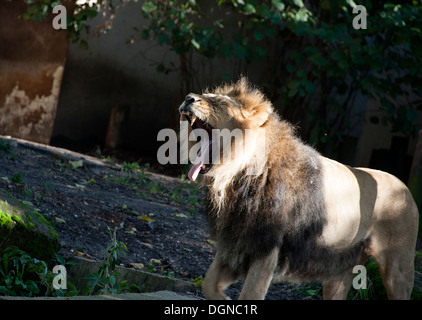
<point x="32" y="57"/>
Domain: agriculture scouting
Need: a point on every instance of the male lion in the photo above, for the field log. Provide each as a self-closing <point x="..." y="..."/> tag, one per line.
<point x="284" y="212"/>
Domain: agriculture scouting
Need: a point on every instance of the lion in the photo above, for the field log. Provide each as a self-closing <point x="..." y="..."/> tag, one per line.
<point x="285" y="212"/>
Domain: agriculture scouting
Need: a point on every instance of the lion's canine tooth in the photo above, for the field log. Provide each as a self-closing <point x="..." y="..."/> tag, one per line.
<point x="193" y="119"/>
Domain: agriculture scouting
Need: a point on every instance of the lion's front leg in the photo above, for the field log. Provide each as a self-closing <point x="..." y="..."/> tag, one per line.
<point x="218" y="278"/>
<point x="259" y="277"/>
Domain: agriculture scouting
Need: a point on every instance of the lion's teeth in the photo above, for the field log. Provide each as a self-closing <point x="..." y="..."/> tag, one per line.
<point x="193" y="119"/>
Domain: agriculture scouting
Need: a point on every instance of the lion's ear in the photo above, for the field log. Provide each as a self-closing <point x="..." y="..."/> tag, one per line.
<point x="256" y="116"/>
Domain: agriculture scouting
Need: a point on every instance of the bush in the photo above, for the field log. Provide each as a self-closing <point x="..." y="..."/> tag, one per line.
<point x="21" y="274"/>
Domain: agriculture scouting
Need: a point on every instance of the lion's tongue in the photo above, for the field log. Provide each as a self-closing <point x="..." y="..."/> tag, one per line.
<point x="199" y="161"/>
<point x="194" y="171"/>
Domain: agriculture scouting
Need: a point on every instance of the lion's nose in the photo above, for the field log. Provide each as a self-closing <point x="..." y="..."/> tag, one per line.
<point x="191" y="99"/>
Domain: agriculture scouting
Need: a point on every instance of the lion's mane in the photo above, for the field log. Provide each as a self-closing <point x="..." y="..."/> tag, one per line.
<point x="282" y="206"/>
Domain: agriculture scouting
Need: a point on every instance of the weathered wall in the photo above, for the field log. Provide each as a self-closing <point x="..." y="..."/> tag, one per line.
<point x="32" y="57"/>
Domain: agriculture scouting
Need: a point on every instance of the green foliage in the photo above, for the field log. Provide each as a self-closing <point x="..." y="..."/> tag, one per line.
<point x="105" y="280"/>
<point x="23" y="275"/>
<point x="5" y="146"/>
<point x="75" y="164"/>
<point x="312" y="289"/>
<point x="197" y="281"/>
<point x="20" y="274"/>
<point x="71" y="290"/>
<point x="129" y="167"/>
<point x="17" y="178"/>
<point x="316" y="62"/>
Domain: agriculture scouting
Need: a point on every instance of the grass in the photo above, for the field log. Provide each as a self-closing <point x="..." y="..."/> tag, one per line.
<point x="5" y="146"/>
<point x="17" y="178"/>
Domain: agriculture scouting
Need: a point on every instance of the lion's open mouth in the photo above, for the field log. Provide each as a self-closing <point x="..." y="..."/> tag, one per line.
<point x="202" y="163"/>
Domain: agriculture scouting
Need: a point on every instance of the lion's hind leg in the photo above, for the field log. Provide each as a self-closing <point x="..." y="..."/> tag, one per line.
<point x="397" y="273"/>
<point x="393" y="249"/>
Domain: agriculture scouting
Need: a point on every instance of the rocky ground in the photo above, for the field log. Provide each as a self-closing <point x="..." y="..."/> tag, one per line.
<point x="159" y="218"/>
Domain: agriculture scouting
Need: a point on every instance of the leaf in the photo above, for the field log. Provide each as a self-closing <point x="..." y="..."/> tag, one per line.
<point x="181" y="215"/>
<point x="302" y="15"/>
<point x="197" y="281"/>
<point x="84" y="255"/>
<point x="263" y="11"/>
<point x="149" y="6"/>
<point x="195" y="44"/>
<point x="123" y="284"/>
<point x="212" y="242"/>
<point x="299" y="3"/>
<point x="278" y="4"/>
<point x="131" y="231"/>
<point x="351" y="3"/>
<point x="146" y="218"/>
<point x="76" y="164"/>
<point x="155" y="261"/>
<point x="59" y="220"/>
<point x="219" y="23"/>
<point x="113" y="281"/>
<point x="60" y="259"/>
<point x="249" y="9"/>
<point x="80" y="186"/>
<point x="138" y="266"/>
<point x="185" y="27"/>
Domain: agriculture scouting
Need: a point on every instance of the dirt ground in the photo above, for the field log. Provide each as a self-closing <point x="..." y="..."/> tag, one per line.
<point x="159" y="218"/>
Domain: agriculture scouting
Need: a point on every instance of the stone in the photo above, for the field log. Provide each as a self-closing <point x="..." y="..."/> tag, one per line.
<point x="148" y="282"/>
<point x="24" y="227"/>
